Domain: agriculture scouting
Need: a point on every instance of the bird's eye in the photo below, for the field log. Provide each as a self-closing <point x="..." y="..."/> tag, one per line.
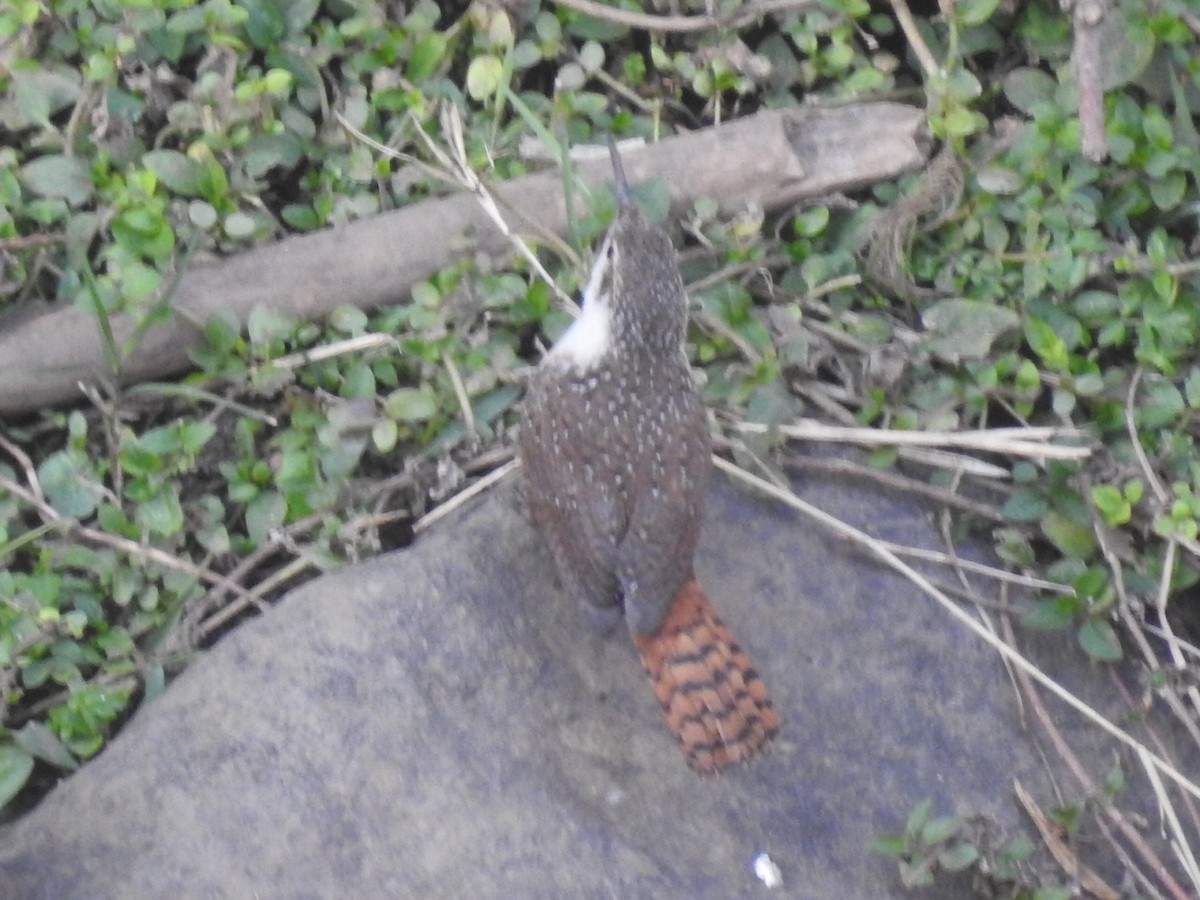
<point x="611" y="250"/>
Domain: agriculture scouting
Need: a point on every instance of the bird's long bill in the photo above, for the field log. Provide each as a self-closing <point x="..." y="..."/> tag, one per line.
<point x="620" y="185"/>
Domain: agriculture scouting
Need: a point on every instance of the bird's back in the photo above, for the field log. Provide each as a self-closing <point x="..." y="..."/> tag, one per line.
<point x="616" y="462"/>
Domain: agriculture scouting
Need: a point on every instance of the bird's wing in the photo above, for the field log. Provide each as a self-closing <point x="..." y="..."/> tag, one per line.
<point x="573" y="505"/>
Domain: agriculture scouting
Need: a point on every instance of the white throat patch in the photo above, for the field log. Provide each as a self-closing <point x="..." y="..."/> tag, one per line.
<point x="590" y="336"/>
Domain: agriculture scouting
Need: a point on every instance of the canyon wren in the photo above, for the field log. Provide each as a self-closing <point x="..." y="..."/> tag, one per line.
<point x="616" y="456"/>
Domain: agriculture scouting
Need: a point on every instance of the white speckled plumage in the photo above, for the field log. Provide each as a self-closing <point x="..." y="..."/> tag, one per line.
<point x="615" y="447"/>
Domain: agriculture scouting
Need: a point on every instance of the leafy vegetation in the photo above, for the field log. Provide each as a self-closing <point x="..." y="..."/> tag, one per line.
<point x="1032" y="285"/>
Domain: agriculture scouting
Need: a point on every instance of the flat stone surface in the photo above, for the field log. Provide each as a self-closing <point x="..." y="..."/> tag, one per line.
<point x="441" y="722"/>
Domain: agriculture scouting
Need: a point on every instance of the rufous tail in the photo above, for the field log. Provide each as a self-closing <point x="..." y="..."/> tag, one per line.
<point x="715" y="703"/>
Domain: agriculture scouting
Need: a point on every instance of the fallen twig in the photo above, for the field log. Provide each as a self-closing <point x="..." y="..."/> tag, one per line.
<point x="1004" y="649"/>
<point x="1022" y="441"/>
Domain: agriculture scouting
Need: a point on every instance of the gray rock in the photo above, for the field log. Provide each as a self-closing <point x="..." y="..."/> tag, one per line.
<point x="441" y="722"/>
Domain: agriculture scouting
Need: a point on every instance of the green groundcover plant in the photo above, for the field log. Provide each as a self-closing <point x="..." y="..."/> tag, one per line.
<point x="1028" y="285"/>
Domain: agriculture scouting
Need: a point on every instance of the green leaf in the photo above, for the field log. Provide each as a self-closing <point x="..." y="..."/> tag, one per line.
<point x="425" y="57"/>
<point x="70" y="484"/>
<point x="58" y="176"/>
<point x="957" y="857"/>
<point x="194" y="435"/>
<point x="239" y="225"/>
<point x="180" y="173"/>
<point x="263" y="513"/>
<point x="1160" y="406"/>
<point x="1046" y="343"/>
<point x="1127" y="50"/>
<point x="1112" y="504"/>
<point x="1027" y="88"/>
<point x="484" y="76"/>
<point x="1025" y="505"/>
<point x="966" y="329"/>
<point x="384" y="435"/>
<point x="265" y="26"/>
<point x="889" y="845"/>
<point x="939" y="830"/>
<point x="265" y="325"/>
<point x="42" y="92"/>
<point x="1099" y="640"/>
<point x="410" y="404"/>
<point x="38" y="740"/>
<point x="1168" y="191"/>
<point x="16" y="765"/>
<point x="349" y="319"/>
<point x="1134" y="489"/>
<point x="918" y="817"/>
<point x="975" y="12"/>
<point x="1071" y="538"/>
<point x="162" y="513"/>
<point x="1053" y="614"/>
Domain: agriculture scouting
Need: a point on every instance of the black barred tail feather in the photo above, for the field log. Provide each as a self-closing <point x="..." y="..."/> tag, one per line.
<point x="715" y="702"/>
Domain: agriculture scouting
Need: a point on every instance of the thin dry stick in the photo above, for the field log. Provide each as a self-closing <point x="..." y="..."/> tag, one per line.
<point x="1009" y="441"/>
<point x="460" y="174"/>
<point x="1004" y="649"/>
<point x="195" y="615"/>
<point x="463" y="496"/>
<point x="152" y="554"/>
<point x="460" y="393"/>
<point x="1188" y="802"/>
<point x="1179" y="842"/>
<point x="1110" y="811"/>
<point x="1186" y="646"/>
<point x="1065" y="856"/>
<point x="683" y="24"/>
<point x="913" y="36"/>
<point x="1160" y="492"/>
<point x="1135" y="440"/>
<point x="26" y="241"/>
<point x="468" y="178"/>
<point x="895" y="480"/>
<point x="967" y="565"/>
<point x="264" y="587"/>
<point x="1086" y="55"/>
<point x="357" y="344"/>
<point x="392" y="153"/>
<point x="1068" y="756"/>
<point x="954" y="462"/>
<point x="1134" y="626"/>
<point x="1164" y="593"/>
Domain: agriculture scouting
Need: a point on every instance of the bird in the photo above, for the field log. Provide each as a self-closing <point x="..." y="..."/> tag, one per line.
<point x="616" y="455"/>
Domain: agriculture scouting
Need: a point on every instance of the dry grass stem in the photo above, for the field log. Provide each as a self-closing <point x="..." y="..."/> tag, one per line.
<point x="457" y="171"/>
<point x="228" y="613"/>
<point x="1185" y="646"/>
<point x="945" y="559"/>
<point x="1003" y="648"/>
<point x="460" y="165"/>
<point x="1179" y="841"/>
<point x="954" y="462"/>
<point x="919" y="48"/>
<point x="1022" y="441"/>
<point x="893" y="479"/>
<point x="131" y="548"/>
<point x="359" y="344"/>
<point x="1064" y="855"/>
<point x="1107" y="813"/>
<point x="460" y="393"/>
<point x="1172" y="642"/>
<point x="392" y="153"/>
<point x="483" y="484"/>
<point x="684" y="24"/>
